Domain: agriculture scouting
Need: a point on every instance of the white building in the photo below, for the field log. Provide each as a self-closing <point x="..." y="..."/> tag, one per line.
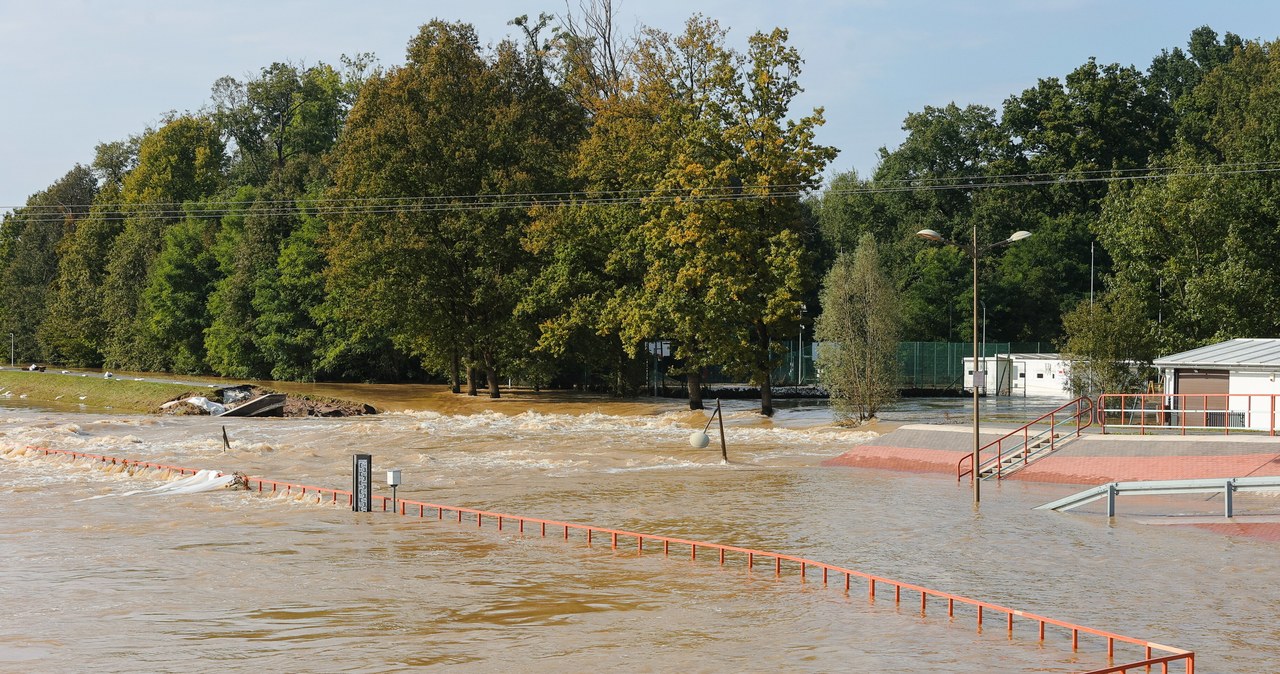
<point x="1236" y="377"/>
<point x="1020" y="374"/>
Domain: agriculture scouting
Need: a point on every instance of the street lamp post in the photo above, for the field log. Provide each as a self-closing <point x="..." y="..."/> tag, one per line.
<point x="800" y="359"/>
<point x="975" y="253"/>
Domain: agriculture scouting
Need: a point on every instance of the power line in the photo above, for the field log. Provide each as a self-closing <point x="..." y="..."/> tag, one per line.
<point x="524" y="201"/>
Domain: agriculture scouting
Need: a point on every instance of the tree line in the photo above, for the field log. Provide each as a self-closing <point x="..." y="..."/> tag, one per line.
<point x="540" y="208"/>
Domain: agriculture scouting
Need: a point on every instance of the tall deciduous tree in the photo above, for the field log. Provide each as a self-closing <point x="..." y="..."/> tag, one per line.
<point x="859" y="331"/>
<point x="442" y="277"/>
<point x="74" y="330"/>
<point x="721" y="239"/>
<point x="177" y="294"/>
<point x="180" y="162"/>
<point x="29" y="240"/>
<point x="1196" y="249"/>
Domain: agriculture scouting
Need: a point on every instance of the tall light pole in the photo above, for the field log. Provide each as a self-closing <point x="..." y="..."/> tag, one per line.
<point x="975" y="252"/>
<point x="800" y="360"/>
<point x="984" y="353"/>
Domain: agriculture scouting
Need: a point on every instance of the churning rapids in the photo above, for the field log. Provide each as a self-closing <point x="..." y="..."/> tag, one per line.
<point x="200" y="580"/>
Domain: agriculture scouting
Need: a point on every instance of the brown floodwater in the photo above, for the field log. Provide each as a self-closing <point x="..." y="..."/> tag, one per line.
<point x="95" y="577"/>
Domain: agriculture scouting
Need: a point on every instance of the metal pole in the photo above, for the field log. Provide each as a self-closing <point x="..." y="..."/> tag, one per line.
<point x="977" y="484"/>
<point x="724" y="451"/>
<point x="800" y="356"/>
<point x="984" y="352"/>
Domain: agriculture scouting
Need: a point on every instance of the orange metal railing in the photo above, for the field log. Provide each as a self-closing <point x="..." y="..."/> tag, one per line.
<point x="1072" y="417"/>
<point x="750" y="556"/>
<point x="1224" y="413"/>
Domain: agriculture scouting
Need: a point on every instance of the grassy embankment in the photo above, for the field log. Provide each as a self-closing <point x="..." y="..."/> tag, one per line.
<point x="118" y="394"/>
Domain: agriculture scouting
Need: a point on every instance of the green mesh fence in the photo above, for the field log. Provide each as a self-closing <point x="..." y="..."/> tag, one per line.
<point x="924" y="365"/>
<point x="940" y="365"/>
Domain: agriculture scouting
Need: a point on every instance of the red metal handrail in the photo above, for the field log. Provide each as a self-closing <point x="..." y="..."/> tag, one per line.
<point x="402" y="507"/>
<point x="1083" y="412"/>
<point x="1156" y="412"/>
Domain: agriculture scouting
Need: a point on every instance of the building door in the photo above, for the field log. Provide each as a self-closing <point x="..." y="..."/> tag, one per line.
<point x="1204" y="396"/>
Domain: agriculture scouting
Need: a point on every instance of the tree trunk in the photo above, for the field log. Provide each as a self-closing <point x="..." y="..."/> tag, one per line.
<point x="766" y="371"/>
<point x="491" y="373"/>
<point x="695" y="390"/>
<point x="472" y="375"/>
<point x="766" y="394"/>
<point x="455" y="372"/>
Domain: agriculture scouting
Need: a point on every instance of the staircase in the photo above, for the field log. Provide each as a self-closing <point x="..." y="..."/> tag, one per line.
<point x="1018" y="456"/>
<point x="1030" y="442"/>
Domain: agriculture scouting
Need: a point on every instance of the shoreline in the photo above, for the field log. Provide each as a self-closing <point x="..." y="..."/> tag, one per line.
<point x="136" y="393"/>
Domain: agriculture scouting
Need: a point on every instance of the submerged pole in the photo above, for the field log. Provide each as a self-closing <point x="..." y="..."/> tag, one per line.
<point x="724" y="452"/>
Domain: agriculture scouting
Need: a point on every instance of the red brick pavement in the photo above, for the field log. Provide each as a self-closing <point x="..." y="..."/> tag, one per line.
<point x="1062" y="468"/>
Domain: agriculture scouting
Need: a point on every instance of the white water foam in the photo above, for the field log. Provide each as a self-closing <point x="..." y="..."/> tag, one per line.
<point x="202" y="481"/>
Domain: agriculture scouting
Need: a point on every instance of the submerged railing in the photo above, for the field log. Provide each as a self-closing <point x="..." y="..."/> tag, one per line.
<point x="1037" y="434"/>
<point x="750" y="556"/>
<point x="1224" y="413"/>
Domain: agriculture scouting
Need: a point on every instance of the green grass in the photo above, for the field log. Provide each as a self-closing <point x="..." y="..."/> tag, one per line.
<point x="119" y="394"/>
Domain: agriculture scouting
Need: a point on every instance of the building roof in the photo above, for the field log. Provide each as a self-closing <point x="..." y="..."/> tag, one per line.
<point x="1233" y="353"/>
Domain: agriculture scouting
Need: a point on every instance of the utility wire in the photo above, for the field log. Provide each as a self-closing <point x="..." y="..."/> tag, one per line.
<point x="524" y="201"/>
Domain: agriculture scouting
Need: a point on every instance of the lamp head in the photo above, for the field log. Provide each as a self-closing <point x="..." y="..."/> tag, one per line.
<point x="1019" y="235"/>
<point x="931" y="235"/>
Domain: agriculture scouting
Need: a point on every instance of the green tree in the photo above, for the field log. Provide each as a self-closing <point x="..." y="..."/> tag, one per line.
<point x="246" y="250"/>
<point x="288" y="112"/>
<point x="29" y="241"/>
<point x="180" y="162"/>
<point x="289" y="301"/>
<point x="721" y="243"/>
<point x="176" y="297"/>
<point x="74" y="329"/>
<point x="442" y="277"/>
<point x="1109" y="345"/>
<point x="859" y="329"/>
<point x="588" y="252"/>
<point x="1194" y="250"/>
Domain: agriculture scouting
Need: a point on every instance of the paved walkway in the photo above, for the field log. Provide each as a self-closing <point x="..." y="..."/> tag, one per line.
<point x="1091" y="459"/>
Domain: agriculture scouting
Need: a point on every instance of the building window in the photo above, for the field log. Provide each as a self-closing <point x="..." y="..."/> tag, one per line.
<point x="1039" y="375"/>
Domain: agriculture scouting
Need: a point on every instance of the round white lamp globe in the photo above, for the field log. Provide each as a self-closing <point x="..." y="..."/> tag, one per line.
<point x="698" y="440"/>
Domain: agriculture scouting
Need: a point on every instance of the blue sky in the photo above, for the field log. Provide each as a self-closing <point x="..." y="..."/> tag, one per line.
<point x="74" y="73"/>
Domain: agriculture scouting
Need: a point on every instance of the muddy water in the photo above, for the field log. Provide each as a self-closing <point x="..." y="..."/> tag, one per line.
<point x="240" y="582"/>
